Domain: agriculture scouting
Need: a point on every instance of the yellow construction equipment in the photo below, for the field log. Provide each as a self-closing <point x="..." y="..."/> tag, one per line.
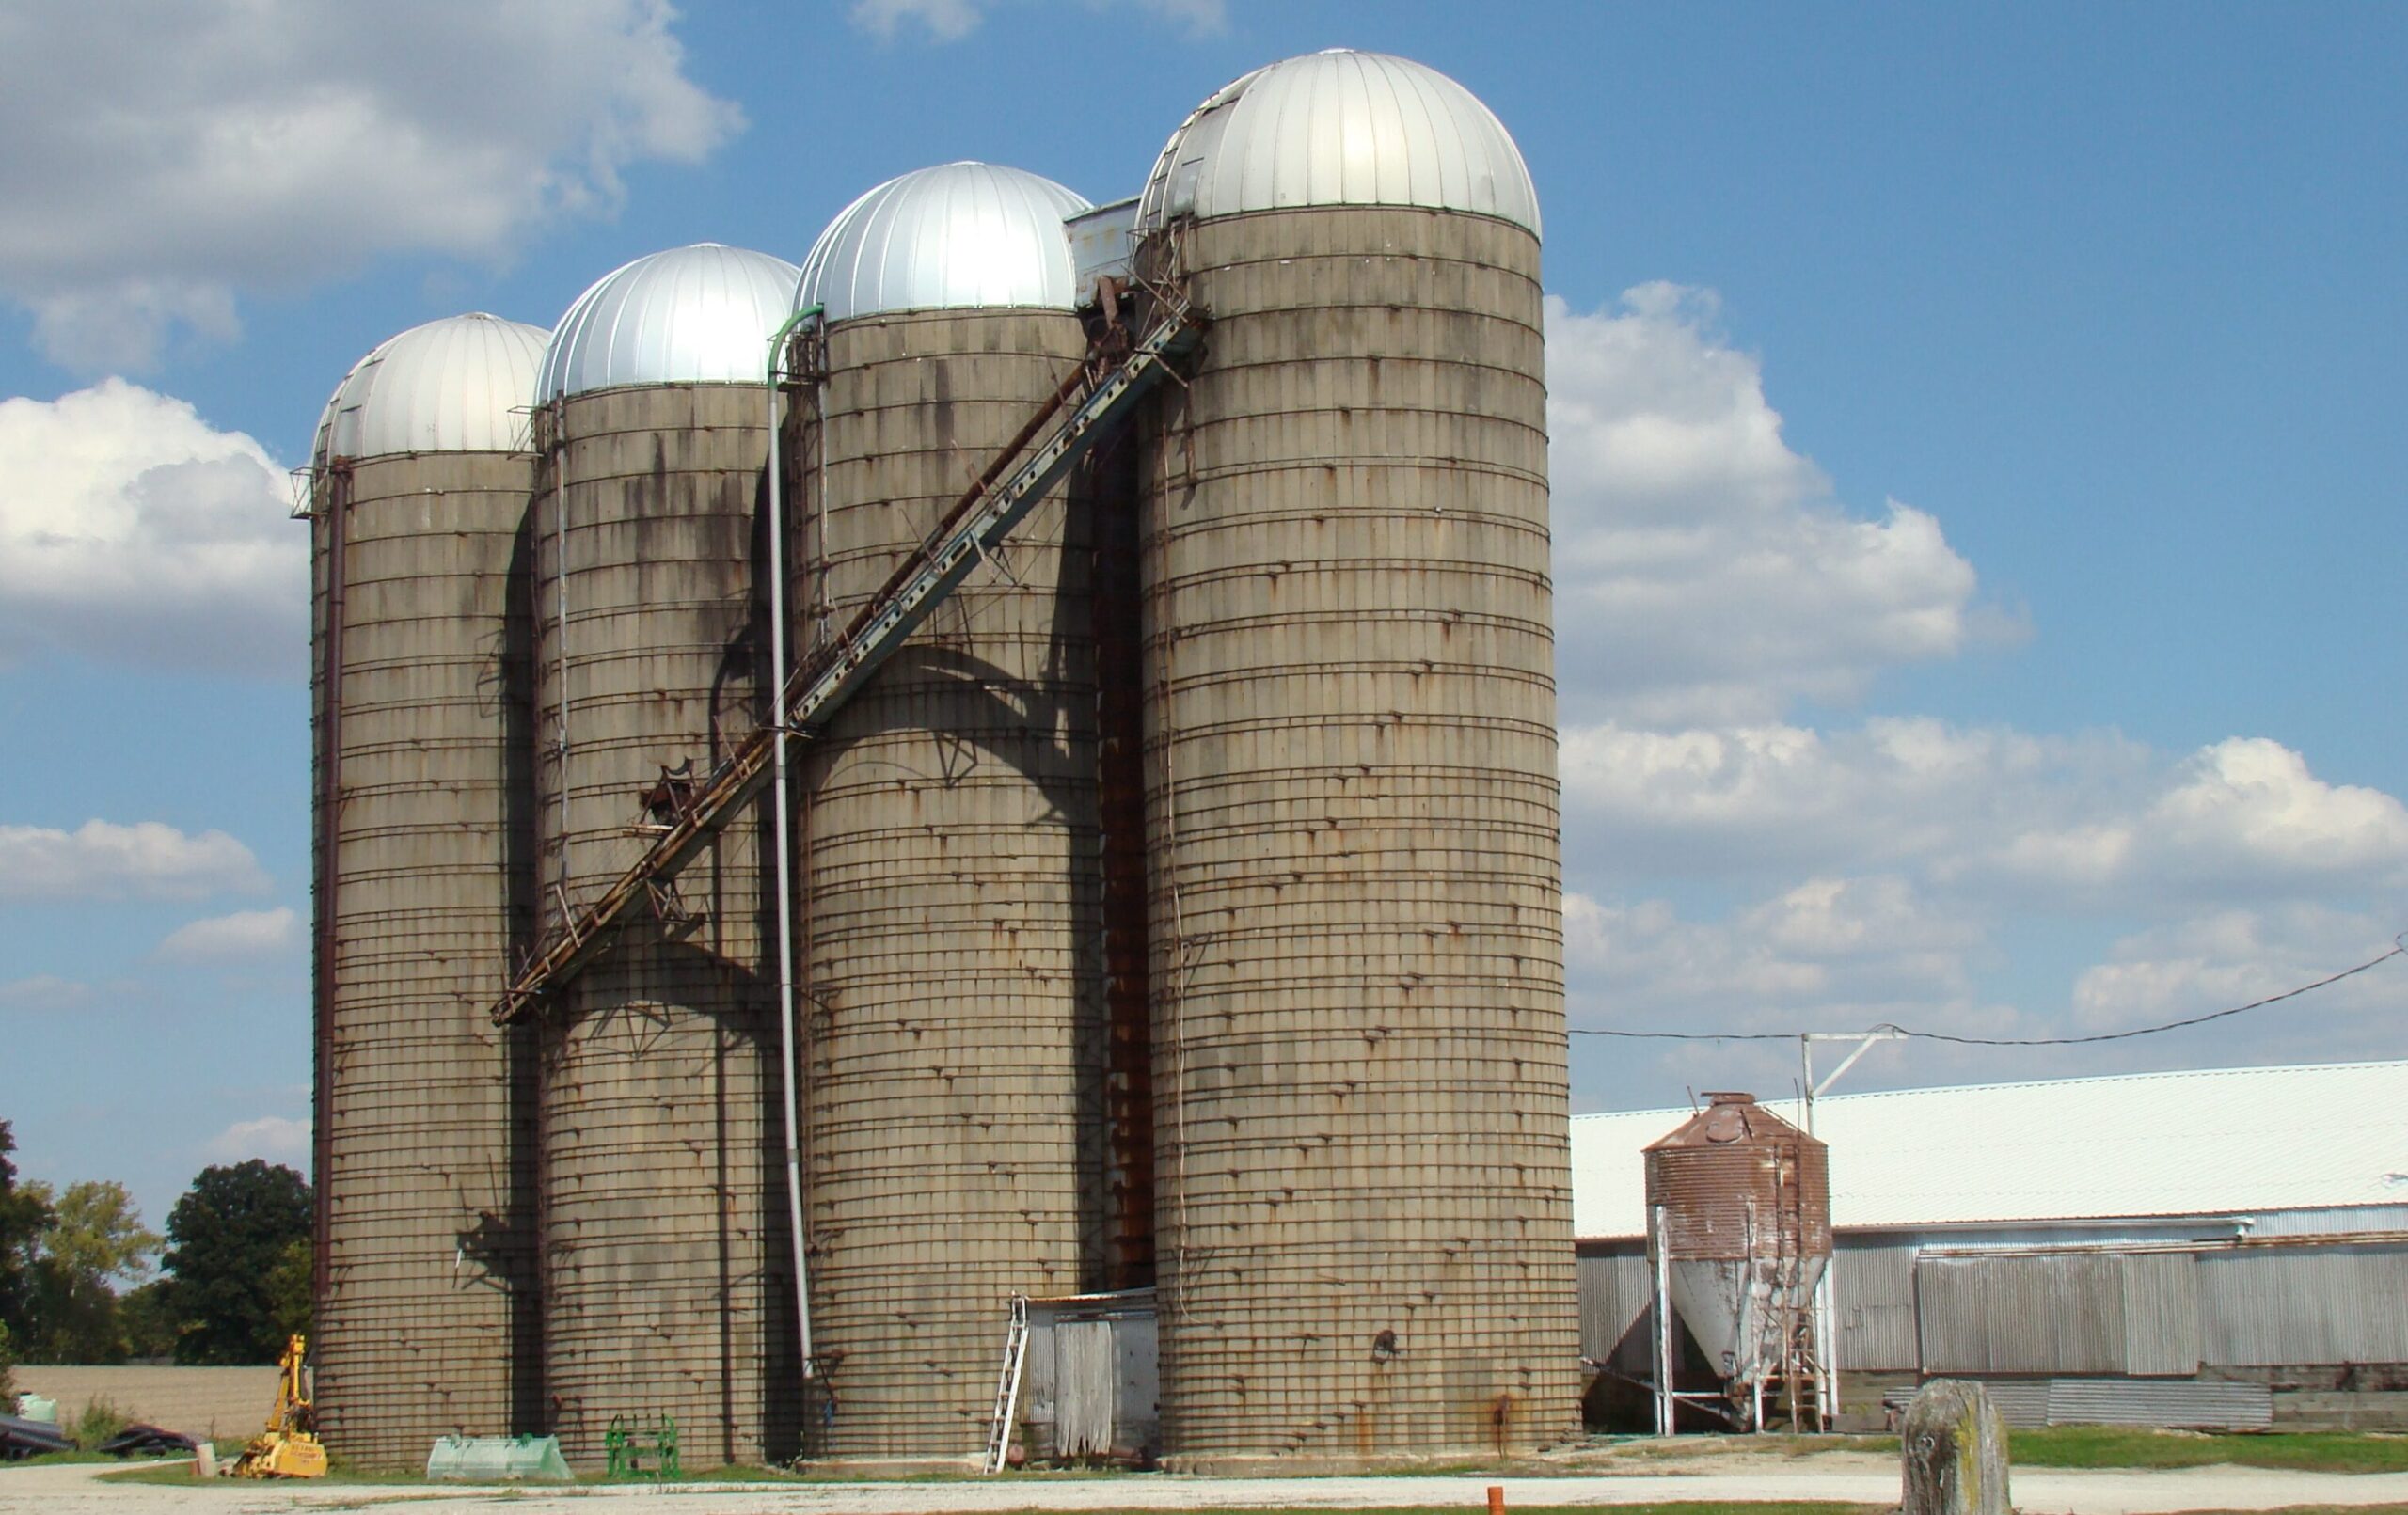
<point x="288" y="1447"/>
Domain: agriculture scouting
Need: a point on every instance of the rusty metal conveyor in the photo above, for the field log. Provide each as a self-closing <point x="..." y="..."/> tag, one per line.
<point x="977" y="526"/>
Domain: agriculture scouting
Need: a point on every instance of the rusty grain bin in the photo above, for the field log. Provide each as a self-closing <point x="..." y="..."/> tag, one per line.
<point x="667" y="1285"/>
<point x="950" y="842"/>
<point x="1365" y="1239"/>
<point x="418" y="491"/>
<point x="1746" y="1200"/>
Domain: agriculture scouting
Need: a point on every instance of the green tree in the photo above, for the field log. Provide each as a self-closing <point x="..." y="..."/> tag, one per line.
<point x="149" y="1317"/>
<point x="289" y="1302"/>
<point x="225" y="1239"/>
<point x="95" y="1241"/>
<point x="23" y="1219"/>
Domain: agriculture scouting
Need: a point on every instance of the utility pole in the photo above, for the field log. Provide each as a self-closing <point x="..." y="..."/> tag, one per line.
<point x="1827" y="1335"/>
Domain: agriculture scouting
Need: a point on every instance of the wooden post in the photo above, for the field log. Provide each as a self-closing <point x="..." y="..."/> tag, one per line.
<point x="1955" y="1452"/>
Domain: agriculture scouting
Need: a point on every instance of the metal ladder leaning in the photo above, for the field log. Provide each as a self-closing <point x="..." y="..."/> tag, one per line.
<point x="999" y="1430"/>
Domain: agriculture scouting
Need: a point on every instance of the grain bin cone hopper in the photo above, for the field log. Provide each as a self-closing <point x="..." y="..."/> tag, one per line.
<point x="1740" y="1230"/>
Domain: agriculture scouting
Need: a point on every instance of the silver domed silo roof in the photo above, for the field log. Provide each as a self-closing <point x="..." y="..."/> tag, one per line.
<point x="458" y="385"/>
<point x="959" y="236"/>
<point x="702" y="314"/>
<point x="1341" y="128"/>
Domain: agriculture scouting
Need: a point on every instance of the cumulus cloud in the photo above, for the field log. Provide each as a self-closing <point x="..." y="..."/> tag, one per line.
<point x="244" y="934"/>
<point x="1704" y="574"/>
<point x="132" y="529"/>
<point x="279" y="142"/>
<point x="273" y="1137"/>
<point x="949" y="20"/>
<point x="2235" y="956"/>
<point x="101" y="860"/>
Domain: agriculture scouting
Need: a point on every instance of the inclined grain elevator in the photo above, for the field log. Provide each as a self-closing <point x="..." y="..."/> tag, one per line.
<point x="1364" y="1222"/>
<point x="1739" y="1235"/>
<point x="662" y="1227"/>
<point x="948" y="831"/>
<point x="426" y="1310"/>
<point x="1179" y="919"/>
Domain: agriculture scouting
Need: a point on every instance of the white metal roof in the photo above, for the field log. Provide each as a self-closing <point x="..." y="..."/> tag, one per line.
<point x="2213" y="1142"/>
<point x="458" y="385"/>
<point x="702" y="314"/>
<point x="1341" y="128"/>
<point x="962" y="235"/>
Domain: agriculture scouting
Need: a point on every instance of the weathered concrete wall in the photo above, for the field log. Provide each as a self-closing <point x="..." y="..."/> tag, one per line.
<point x="952" y="873"/>
<point x="1364" y="1241"/>
<point x="427" y="1321"/>
<point x="667" y="1288"/>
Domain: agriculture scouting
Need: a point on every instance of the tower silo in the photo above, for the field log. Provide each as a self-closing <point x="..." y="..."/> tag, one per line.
<point x="667" y="1288"/>
<point x="425" y="1306"/>
<point x="1364" y="1233"/>
<point x="954" y="977"/>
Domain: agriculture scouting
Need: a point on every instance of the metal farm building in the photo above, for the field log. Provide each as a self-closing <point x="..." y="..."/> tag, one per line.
<point x="955" y="847"/>
<point x="2220" y="1248"/>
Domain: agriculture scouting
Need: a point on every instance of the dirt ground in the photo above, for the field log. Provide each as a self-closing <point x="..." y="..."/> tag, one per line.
<point x="1847" y="1478"/>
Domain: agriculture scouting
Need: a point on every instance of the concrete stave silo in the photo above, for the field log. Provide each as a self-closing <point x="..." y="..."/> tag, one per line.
<point x="951" y="863"/>
<point x="1364" y="1233"/>
<point x="426" y="1315"/>
<point x="667" y="1285"/>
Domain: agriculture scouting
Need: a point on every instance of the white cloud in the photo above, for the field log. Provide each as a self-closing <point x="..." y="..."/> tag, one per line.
<point x="945" y="21"/>
<point x="43" y="992"/>
<point x="100" y="859"/>
<point x="2235" y="956"/>
<point x="1703" y="572"/>
<point x="231" y="937"/>
<point x="2049" y="823"/>
<point x="273" y="1137"/>
<point x="132" y="529"/>
<point x="949" y="20"/>
<point x="276" y="143"/>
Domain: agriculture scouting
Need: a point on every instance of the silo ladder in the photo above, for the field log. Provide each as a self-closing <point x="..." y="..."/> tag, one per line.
<point x="999" y="1430"/>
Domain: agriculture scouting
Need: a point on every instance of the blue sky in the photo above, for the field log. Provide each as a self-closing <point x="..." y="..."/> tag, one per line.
<point x="1976" y="455"/>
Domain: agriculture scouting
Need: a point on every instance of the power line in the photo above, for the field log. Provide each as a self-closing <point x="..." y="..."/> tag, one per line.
<point x="2399" y="947"/>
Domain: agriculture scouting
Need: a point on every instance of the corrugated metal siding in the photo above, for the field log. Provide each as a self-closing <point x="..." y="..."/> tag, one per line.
<point x="1873" y="1303"/>
<point x="2160" y="1313"/>
<point x="2291" y="1305"/>
<point x="1614" y="1297"/>
<point x="2151" y="1402"/>
<point x="2060" y="1313"/>
<point x="2023" y="1403"/>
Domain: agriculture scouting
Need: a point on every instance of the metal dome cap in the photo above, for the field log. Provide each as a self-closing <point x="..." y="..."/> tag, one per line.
<point x="702" y="314"/>
<point x="458" y="385"/>
<point x="959" y="236"/>
<point x="1341" y="128"/>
